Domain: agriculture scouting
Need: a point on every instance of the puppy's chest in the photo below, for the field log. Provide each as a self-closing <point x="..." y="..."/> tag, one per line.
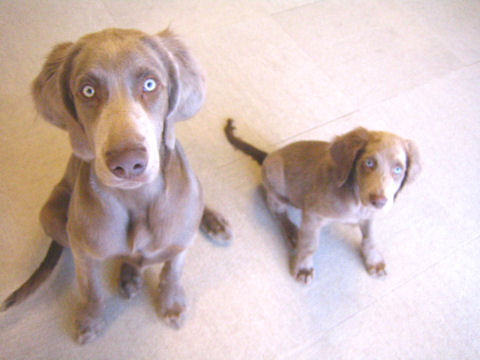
<point x="353" y="214"/>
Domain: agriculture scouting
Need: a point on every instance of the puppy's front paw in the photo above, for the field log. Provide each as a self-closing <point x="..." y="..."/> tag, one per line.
<point x="305" y="276"/>
<point x="172" y="305"/>
<point x="130" y="281"/>
<point x="216" y="227"/>
<point x="88" y="326"/>
<point x="374" y="263"/>
<point x="303" y="270"/>
<point x="377" y="270"/>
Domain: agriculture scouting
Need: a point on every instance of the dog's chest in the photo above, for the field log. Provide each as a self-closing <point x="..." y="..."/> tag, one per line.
<point x="148" y="228"/>
<point x="355" y="214"/>
<point x="146" y="219"/>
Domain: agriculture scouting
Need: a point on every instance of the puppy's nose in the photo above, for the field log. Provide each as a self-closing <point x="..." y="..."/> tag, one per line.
<point x="379" y="201"/>
<point x="127" y="163"/>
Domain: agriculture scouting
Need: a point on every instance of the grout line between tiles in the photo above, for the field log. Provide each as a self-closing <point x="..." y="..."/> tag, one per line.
<point x="286" y="140"/>
<point x="293" y="8"/>
<point x="296" y="350"/>
<point x="434" y="263"/>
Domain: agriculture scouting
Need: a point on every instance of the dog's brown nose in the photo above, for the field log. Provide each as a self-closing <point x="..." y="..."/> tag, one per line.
<point x="379" y="201"/>
<point x="127" y="163"/>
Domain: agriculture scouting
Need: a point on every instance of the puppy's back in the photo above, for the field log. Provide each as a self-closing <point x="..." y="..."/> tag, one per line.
<point x="296" y="169"/>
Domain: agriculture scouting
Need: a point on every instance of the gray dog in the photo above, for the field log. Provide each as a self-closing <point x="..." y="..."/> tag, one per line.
<point x="128" y="191"/>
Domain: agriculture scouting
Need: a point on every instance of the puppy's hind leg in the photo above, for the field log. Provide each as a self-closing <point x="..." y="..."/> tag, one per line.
<point x="278" y="207"/>
<point x="216" y="227"/>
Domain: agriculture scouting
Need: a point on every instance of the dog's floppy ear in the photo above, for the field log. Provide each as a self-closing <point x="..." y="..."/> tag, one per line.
<point x="53" y="99"/>
<point x="414" y="166"/>
<point x="344" y="151"/>
<point x="186" y="88"/>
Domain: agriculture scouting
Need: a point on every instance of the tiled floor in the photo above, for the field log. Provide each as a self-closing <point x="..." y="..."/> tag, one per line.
<point x="286" y="70"/>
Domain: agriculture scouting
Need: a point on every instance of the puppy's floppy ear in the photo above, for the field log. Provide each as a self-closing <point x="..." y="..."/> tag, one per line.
<point x="344" y="151"/>
<point x="414" y="166"/>
<point x="53" y="99"/>
<point x="186" y="88"/>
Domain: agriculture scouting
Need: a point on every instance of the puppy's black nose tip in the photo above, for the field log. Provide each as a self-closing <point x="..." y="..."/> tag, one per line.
<point x="127" y="163"/>
<point x="379" y="201"/>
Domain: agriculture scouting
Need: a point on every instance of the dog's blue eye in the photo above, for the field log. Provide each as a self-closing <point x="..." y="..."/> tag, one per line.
<point x="88" y="91"/>
<point x="149" y="85"/>
<point x="369" y="163"/>
<point x="398" y="170"/>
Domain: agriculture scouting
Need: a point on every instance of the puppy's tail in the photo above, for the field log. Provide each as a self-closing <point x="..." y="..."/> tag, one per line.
<point x="257" y="154"/>
<point x="37" y="278"/>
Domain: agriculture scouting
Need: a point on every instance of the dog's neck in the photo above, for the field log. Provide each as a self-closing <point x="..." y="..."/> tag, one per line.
<point x="135" y="199"/>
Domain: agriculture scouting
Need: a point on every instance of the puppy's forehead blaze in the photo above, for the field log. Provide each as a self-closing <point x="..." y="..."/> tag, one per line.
<point x="387" y="146"/>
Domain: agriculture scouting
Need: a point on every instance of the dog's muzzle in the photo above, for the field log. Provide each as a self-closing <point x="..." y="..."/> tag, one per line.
<point x="127" y="163"/>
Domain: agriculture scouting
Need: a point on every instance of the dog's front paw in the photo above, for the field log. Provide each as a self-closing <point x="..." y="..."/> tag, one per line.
<point x="374" y="263"/>
<point x="305" y="275"/>
<point x="88" y="326"/>
<point x="130" y="281"/>
<point x="303" y="270"/>
<point x="216" y="227"/>
<point x="172" y="305"/>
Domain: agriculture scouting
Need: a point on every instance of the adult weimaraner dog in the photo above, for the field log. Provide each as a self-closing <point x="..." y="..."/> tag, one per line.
<point x="347" y="180"/>
<point x="128" y="190"/>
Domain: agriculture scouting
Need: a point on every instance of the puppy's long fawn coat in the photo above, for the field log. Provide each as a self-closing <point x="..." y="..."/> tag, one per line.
<point x="128" y="191"/>
<point x="347" y="180"/>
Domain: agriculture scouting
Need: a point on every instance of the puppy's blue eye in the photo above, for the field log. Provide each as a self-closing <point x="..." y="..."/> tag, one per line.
<point x="149" y="85"/>
<point x="397" y="170"/>
<point x="369" y="163"/>
<point x="88" y="91"/>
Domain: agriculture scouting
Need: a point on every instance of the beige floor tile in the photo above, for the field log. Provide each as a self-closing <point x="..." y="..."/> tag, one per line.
<point x="371" y="51"/>
<point x="185" y="17"/>
<point x="455" y="24"/>
<point x="258" y="99"/>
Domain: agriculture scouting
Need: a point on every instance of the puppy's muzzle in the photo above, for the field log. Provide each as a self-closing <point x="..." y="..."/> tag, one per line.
<point x="378" y="201"/>
<point x="128" y="162"/>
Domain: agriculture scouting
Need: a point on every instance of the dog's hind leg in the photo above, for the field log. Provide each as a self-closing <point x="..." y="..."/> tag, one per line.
<point x="53" y="215"/>
<point x="279" y="208"/>
<point x="307" y="244"/>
